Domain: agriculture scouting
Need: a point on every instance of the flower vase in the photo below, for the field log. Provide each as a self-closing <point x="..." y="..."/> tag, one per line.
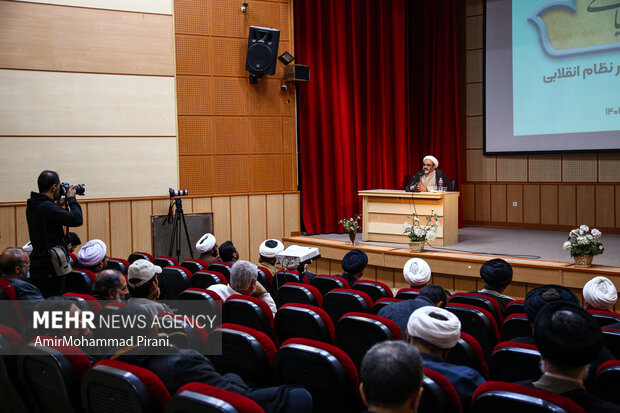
<point x="352" y="236"/>
<point x="583" y="261"/>
<point x="416" y="246"/>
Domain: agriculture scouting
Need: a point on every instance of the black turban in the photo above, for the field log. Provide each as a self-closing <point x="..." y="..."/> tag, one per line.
<point x="536" y="299"/>
<point x="354" y="261"/>
<point x="496" y="273"/>
<point x="567" y="334"/>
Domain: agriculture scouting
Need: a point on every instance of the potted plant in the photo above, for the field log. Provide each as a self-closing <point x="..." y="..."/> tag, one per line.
<point x="418" y="234"/>
<point x="583" y="245"/>
<point x="351" y="225"/>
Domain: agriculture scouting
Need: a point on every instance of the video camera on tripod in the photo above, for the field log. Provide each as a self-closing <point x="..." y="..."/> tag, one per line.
<point x="175" y="217"/>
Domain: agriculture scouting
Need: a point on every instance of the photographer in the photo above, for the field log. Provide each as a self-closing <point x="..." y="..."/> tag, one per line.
<point x="46" y="220"/>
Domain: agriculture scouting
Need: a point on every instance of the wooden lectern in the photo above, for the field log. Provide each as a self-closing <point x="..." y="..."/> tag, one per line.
<point x="385" y="210"/>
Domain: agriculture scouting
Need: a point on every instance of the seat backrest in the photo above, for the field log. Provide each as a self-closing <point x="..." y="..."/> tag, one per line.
<point x="119" y="264"/>
<point x="80" y="280"/>
<point x="201" y="397"/>
<point x="513" y="362"/>
<point x="494" y="396"/>
<point x="611" y="337"/>
<point x="324" y="370"/>
<point x="478" y="323"/>
<point x="138" y="255"/>
<point x="482" y="301"/>
<point x="513" y="307"/>
<point x="303" y="321"/>
<point x="375" y="289"/>
<point x="165" y="261"/>
<point x="607" y="381"/>
<point x="325" y="283"/>
<point x="516" y="325"/>
<point x="12" y="393"/>
<point x="356" y="333"/>
<point x="52" y="374"/>
<point x="439" y="395"/>
<point x="16" y="318"/>
<point x="221" y="267"/>
<point x="408" y="293"/>
<point x="173" y="280"/>
<point x="113" y="386"/>
<point x="184" y="331"/>
<point x="288" y="276"/>
<point x="299" y="293"/>
<point x="246" y="352"/>
<point x="382" y="302"/>
<point x="194" y="264"/>
<point x="467" y="352"/>
<point x="86" y="301"/>
<point x="340" y="301"/>
<point x="605" y="318"/>
<point x="206" y="278"/>
<point x="250" y="312"/>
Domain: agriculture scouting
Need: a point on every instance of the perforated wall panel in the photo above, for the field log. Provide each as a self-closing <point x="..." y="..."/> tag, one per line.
<point x="579" y="167"/>
<point x="609" y="167"/>
<point x="545" y="168"/>
<point x="512" y="168"/>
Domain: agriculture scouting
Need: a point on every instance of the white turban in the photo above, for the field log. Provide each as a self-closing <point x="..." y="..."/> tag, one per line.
<point x="600" y="293"/>
<point x="92" y="253"/>
<point x="433" y="160"/>
<point x="270" y="248"/>
<point x="417" y="272"/>
<point x="205" y="243"/>
<point x="28" y="247"/>
<point x="443" y="333"/>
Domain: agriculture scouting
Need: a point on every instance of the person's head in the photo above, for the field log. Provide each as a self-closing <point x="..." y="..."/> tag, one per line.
<point x="73" y="240"/>
<point x="228" y="252"/>
<point x="62" y="304"/>
<point x="391" y="377"/>
<point x="436" y="294"/>
<point x="429" y="164"/>
<point x="207" y="245"/>
<point x="496" y="274"/>
<point x="49" y="183"/>
<point x="14" y="263"/>
<point x="417" y="272"/>
<point x="354" y="263"/>
<point x="433" y="330"/>
<point x="142" y="279"/>
<point x="536" y="299"/>
<point x="269" y="249"/>
<point x="93" y="255"/>
<point x="140" y="320"/>
<point x="243" y="276"/>
<point x="600" y="293"/>
<point x="568" y="338"/>
<point x="111" y="285"/>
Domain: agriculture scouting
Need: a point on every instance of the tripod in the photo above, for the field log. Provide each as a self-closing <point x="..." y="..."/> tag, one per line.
<point x="176" y="219"/>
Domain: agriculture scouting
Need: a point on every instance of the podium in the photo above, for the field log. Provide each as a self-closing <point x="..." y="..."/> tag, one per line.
<point x="385" y="210"/>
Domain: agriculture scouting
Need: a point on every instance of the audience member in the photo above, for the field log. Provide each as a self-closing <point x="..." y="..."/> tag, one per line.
<point x="354" y="263"/>
<point x="73" y="240"/>
<point x="417" y="272"/>
<point x="268" y="251"/>
<point x="93" y="256"/>
<point x="110" y="285"/>
<point x="434" y="331"/>
<point x="144" y="287"/>
<point x="46" y="220"/>
<point x="431" y="295"/>
<point x="15" y="264"/>
<point x="244" y="281"/>
<point x="568" y="339"/>
<point x="208" y="249"/>
<point x="600" y="294"/>
<point x="176" y="367"/>
<point x="497" y="275"/>
<point x="228" y="252"/>
<point x="391" y="378"/>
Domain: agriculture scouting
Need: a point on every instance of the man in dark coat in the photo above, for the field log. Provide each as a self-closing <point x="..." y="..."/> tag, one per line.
<point x="428" y="177"/>
<point x="354" y="263"/>
<point x="46" y="220"/>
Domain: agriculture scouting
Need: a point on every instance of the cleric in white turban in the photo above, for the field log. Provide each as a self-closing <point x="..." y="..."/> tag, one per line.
<point x="93" y="255"/>
<point x="417" y="272"/>
<point x="268" y="250"/>
<point x="207" y="247"/>
<point x="600" y="293"/>
<point x="429" y="177"/>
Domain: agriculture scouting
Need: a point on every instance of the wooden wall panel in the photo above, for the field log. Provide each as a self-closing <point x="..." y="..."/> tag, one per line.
<point x="75" y="104"/>
<point x="469" y="199"/>
<point x="605" y="206"/>
<point x="99" y="222"/>
<point x="617" y="206"/>
<point x="84" y="40"/>
<point x="291" y="214"/>
<point x="221" y="218"/>
<point x="465" y="284"/>
<point x="483" y="203"/>
<point x="549" y="204"/>
<point x="275" y="214"/>
<point x="21" y="226"/>
<point x="498" y="203"/>
<point x="586" y="205"/>
<point x="566" y="205"/>
<point x="82" y="231"/>
<point x="142" y="6"/>
<point x="240" y="225"/>
<point x="258" y="223"/>
<point x="202" y="205"/>
<point x="140" y="227"/>
<point x="514" y="193"/>
<point x="531" y="204"/>
<point x="7" y="228"/>
<point x="122" y="167"/>
<point x="120" y="228"/>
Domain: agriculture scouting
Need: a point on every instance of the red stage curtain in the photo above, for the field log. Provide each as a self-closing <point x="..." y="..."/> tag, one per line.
<point x="355" y="114"/>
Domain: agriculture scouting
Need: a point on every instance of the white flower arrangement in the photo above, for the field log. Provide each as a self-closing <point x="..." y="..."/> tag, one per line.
<point x="418" y="233"/>
<point x="582" y="241"/>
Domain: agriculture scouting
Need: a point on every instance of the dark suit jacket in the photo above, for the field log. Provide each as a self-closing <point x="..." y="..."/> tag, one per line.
<point x="438" y="174"/>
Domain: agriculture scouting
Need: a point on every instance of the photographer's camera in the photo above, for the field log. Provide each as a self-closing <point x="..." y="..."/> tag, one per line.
<point x="177" y="192"/>
<point x="80" y="189"/>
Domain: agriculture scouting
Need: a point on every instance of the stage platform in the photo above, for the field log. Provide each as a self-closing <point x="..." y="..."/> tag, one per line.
<point x="537" y="258"/>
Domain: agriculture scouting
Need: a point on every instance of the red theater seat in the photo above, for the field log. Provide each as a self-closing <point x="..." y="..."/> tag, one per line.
<point x="374" y="289"/>
<point x="408" y="293"/>
<point x="140" y="256"/>
<point x="303" y="321"/>
<point x="194" y="264"/>
<point x="250" y="312"/>
<point x="201" y="397"/>
<point x="467" y="352"/>
<point x="513" y="362"/>
<point x="326" y="283"/>
<point x="165" y="261"/>
<point x="340" y="301"/>
<point x="13" y="395"/>
<point x="119" y="264"/>
<point x="299" y="293"/>
<point x="206" y="278"/>
<point x="382" y="302"/>
<point x="439" y="395"/>
<point x="86" y="301"/>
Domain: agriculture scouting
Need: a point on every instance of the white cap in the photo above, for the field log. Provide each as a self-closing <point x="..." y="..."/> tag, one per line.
<point x="141" y="271"/>
<point x="433" y="159"/>
<point x="205" y="243"/>
<point x="92" y="253"/>
<point x="417" y="272"/>
<point x="270" y="248"/>
<point x="600" y="293"/>
<point x="435" y="325"/>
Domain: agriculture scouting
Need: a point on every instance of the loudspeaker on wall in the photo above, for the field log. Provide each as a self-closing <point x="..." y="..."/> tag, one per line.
<point x="262" y="51"/>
